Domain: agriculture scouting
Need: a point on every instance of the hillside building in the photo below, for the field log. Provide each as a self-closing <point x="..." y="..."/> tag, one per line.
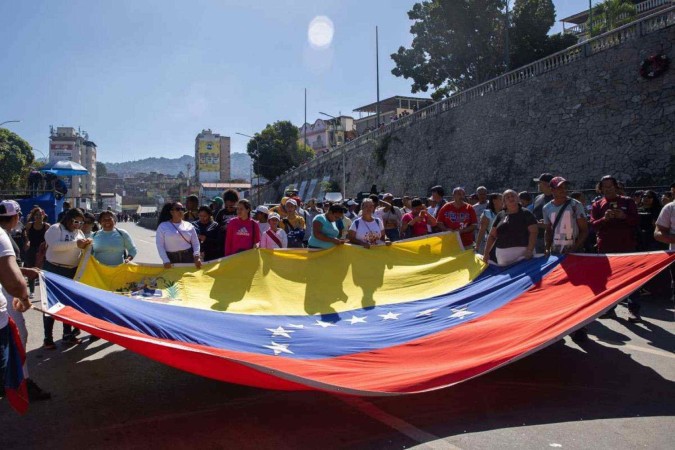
<point x="65" y="143"/>
<point x="212" y="157"/>
<point x="325" y="134"/>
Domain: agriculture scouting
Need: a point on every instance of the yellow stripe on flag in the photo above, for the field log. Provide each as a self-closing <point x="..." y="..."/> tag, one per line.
<point x="299" y="282"/>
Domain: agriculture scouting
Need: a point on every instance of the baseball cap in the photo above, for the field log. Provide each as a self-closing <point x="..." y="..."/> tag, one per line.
<point x="218" y="200"/>
<point x="351" y="203"/>
<point x="290" y="201"/>
<point x="546" y="177"/>
<point x="261" y="209"/>
<point x="556" y="182"/>
<point x="274" y="216"/>
<point x="9" y="208"/>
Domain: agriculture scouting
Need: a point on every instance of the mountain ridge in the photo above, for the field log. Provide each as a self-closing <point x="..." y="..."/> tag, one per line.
<point x="240" y="164"/>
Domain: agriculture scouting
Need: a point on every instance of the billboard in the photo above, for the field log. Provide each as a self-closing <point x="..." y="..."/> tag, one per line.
<point x="61" y="152"/>
<point x="208" y="156"/>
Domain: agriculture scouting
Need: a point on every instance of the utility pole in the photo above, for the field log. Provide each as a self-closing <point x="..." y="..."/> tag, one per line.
<point x="305" y="125"/>
<point x="377" y="74"/>
<point x="507" y="56"/>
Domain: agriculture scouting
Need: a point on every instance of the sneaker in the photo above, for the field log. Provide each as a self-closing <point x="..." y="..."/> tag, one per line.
<point x="31" y="296"/>
<point x="611" y="314"/>
<point x="76" y="332"/>
<point x="634" y="317"/>
<point x="70" y="340"/>
<point x="580" y="336"/>
<point x="48" y="344"/>
<point x="35" y="393"/>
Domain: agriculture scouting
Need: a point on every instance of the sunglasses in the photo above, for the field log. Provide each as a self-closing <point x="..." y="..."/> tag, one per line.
<point x="77" y="222"/>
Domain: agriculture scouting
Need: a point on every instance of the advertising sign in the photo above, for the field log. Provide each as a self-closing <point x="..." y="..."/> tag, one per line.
<point x="61" y="152"/>
<point x="208" y="156"/>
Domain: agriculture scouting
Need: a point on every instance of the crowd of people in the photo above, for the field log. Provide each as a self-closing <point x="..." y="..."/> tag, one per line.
<point x="501" y="227"/>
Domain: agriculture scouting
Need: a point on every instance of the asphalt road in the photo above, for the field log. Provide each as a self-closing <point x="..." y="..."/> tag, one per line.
<point x="617" y="391"/>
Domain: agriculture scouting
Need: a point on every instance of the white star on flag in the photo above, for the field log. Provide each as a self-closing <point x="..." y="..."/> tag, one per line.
<point x="280" y="331"/>
<point x="390" y="316"/>
<point x="299" y="327"/>
<point x="355" y="319"/>
<point x="278" y="348"/>
<point x="426" y="312"/>
<point x="460" y="313"/>
<point x="323" y="324"/>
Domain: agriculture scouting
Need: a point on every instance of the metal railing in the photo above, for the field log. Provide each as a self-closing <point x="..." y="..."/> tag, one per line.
<point x="645" y="25"/>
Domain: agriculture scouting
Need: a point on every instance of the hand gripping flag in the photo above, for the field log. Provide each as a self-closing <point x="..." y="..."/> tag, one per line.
<point x="420" y="315"/>
<point x="15" y="384"/>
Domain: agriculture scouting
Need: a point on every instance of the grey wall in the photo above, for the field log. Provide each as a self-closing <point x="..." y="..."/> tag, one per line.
<point x="593" y="117"/>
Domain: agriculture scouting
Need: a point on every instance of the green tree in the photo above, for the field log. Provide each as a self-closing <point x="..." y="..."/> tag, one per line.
<point x="16" y="156"/>
<point x="456" y="44"/>
<point x="531" y="21"/>
<point x="101" y="169"/>
<point x="611" y="14"/>
<point x="277" y="149"/>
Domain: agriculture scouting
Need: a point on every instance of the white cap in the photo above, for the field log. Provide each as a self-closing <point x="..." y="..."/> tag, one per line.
<point x="261" y="209"/>
<point x="351" y="203"/>
<point x="274" y="216"/>
<point x="290" y="201"/>
<point x="9" y="208"/>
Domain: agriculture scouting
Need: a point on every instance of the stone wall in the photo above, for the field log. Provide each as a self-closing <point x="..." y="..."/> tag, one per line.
<point x="593" y="117"/>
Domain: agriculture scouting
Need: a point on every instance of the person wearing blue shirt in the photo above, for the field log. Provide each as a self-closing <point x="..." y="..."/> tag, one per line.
<point x="112" y="246"/>
<point x="324" y="230"/>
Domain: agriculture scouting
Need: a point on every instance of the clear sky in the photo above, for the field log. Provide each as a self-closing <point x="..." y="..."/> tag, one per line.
<point x="143" y="77"/>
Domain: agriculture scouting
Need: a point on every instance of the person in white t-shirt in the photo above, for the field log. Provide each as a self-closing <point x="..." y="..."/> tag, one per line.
<point x="273" y="237"/>
<point x="665" y="232"/>
<point x="177" y="241"/>
<point x="367" y="230"/>
<point x="13" y="284"/>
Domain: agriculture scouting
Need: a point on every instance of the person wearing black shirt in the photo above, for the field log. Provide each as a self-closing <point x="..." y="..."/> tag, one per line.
<point x="207" y="232"/>
<point x="514" y="232"/>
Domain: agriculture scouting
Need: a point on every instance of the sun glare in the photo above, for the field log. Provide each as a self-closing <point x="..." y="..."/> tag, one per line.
<point x="320" y="32"/>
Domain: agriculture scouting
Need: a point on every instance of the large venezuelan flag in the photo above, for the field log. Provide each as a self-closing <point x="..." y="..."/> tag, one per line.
<point x="420" y="315"/>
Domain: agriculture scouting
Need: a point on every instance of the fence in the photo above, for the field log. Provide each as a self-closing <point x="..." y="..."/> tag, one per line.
<point x="645" y="25"/>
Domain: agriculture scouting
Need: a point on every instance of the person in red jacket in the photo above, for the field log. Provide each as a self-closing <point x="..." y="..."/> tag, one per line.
<point x="615" y="220"/>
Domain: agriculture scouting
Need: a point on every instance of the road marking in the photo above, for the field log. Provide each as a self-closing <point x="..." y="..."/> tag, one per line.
<point x="426" y="440"/>
<point x="633" y="347"/>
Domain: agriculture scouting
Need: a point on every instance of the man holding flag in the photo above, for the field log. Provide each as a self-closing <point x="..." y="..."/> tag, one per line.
<point x="12" y="353"/>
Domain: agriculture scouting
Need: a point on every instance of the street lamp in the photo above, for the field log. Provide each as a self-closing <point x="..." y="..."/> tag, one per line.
<point x="9" y="121"/>
<point x="344" y="178"/>
<point x="257" y="151"/>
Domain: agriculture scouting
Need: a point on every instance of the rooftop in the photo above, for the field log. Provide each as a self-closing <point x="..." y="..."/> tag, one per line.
<point x="397" y="101"/>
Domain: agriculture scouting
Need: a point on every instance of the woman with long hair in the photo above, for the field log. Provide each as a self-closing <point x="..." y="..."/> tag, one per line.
<point x="65" y="242"/>
<point x="243" y="232"/>
<point x="176" y="239"/>
<point x="35" y="232"/>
